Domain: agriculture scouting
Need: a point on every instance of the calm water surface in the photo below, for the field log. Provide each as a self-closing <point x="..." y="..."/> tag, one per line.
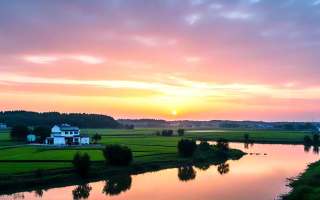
<point x="253" y="177"/>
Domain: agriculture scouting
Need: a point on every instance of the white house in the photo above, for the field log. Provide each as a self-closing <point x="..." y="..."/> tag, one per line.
<point x="31" y="138"/>
<point x="66" y="134"/>
<point x="3" y="126"/>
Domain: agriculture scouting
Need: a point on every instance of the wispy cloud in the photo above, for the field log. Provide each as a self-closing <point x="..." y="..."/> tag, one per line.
<point x="236" y="15"/>
<point x="88" y="59"/>
<point x="40" y="59"/>
<point x="47" y="59"/>
<point x="193" y="59"/>
<point x="192" y="19"/>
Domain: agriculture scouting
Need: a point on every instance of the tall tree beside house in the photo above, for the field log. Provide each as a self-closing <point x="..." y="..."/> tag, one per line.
<point x="96" y="137"/>
<point x="19" y="132"/>
<point x="42" y="132"/>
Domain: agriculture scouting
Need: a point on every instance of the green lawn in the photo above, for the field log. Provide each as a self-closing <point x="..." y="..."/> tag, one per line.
<point x="144" y="144"/>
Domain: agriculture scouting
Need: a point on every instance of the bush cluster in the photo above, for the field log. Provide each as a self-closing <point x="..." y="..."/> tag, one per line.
<point x="117" y="155"/>
<point x="204" y="146"/>
<point x="180" y="132"/>
<point x="167" y="132"/>
<point x="223" y="144"/>
<point x="187" y="147"/>
<point x="82" y="164"/>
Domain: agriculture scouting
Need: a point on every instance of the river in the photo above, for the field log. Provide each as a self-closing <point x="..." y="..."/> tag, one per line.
<point x="261" y="175"/>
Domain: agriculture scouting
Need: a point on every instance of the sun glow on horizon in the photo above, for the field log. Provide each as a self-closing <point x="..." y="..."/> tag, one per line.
<point x="174" y="112"/>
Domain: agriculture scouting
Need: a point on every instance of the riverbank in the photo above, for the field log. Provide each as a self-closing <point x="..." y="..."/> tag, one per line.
<point x="98" y="170"/>
<point x="307" y="185"/>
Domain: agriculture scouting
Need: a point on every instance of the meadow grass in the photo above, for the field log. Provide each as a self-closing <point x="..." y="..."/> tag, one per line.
<point x="144" y="145"/>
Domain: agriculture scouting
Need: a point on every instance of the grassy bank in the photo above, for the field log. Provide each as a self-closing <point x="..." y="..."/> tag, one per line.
<point x="307" y="186"/>
<point x="145" y="146"/>
<point x="10" y="181"/>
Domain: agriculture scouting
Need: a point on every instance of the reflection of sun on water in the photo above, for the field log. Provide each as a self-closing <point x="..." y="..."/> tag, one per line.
<point x="174" y="112"/>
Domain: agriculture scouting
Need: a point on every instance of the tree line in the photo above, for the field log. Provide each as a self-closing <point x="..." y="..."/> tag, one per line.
<point x="82" y="120"/>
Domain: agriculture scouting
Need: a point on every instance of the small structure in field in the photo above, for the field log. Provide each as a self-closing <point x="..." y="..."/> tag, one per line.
<point x="3" y="126"/>
<point x="67" y="135"/>
<point x="31" y="138"/>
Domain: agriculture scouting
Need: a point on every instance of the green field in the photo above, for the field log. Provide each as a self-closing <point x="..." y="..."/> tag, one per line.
<point x="16" y="157"/>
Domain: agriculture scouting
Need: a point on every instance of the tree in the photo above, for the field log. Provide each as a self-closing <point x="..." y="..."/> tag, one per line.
<point x="81" y="192"/>
<point x="288" y="127"/>
<point x="127" y="126"/>
<point x="117" y="155"/>
<point x="167" y="132"/>
<point x="186" y="173"/>
<point x="42" y="132"/>
<point x="19" y="132"/>
<point x="82" y="164"/>
<point x="117" y="184"/>
<point x="187" y="147"/>
<point x="316" y="138"/>
<point x="180" y="132"/>
<point x="223" y="144"/>
<point x="204" y="146"/>
<point x="96" y="137"/>
<point x="307" y="139"/>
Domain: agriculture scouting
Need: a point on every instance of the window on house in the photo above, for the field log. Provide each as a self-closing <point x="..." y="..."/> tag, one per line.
<point x="66" y="132"/>
<point x="76" y="140"/>
<point x="71" y="132"/>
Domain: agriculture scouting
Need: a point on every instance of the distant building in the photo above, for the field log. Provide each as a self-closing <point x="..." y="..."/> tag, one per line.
<point x="65" y="134"/>
<point x="3" y="126"/>
<point x="31" y="138"/>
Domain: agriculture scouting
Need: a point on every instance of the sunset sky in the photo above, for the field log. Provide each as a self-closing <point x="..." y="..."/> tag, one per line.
<point x="227" y="59"/>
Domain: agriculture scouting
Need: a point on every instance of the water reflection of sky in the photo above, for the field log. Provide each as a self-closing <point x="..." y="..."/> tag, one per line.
<point x="251" y="177"/>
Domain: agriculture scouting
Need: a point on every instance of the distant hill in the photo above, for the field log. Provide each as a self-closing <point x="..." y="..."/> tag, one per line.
<point x="55" y="118"/>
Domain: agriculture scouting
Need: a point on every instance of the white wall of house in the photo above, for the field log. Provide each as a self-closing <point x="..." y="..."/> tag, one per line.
<point x="3" y="126"/>
<point x="85" y="140"/>
<point x="59" y="140"/>
<point x="31" y="138"/>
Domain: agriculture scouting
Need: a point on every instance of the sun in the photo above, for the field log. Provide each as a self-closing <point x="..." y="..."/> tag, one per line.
<point x="174" y="112"/>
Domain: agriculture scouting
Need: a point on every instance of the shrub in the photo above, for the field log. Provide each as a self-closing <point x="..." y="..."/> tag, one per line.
<point x="157" y="133"/>
<point x="246" y="136"/>
<point x="167" y="132"/>
<point x="187" y="147"/>
<point x="204" y="146"/>
<point x="38" y="173"/>
<point x="223" y="144"/>
<point x="82" y="163"/>
<point x="96" y="137"/>
<point x="316" y="138"/>
<point x="180" y="132"/>
<point x="307" y="139"/>
<point x="117" y="155"/>
<point x="299" y="193"/>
